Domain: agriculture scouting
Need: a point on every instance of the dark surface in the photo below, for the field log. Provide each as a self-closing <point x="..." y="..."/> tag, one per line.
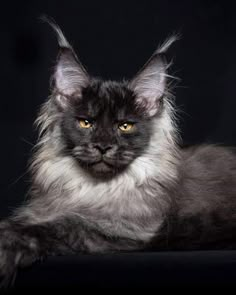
<point x="166" y="269"/>
<point x="113" y="39"/>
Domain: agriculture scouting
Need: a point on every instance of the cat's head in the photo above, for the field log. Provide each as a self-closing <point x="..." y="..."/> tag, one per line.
<point x="106" y="125"/>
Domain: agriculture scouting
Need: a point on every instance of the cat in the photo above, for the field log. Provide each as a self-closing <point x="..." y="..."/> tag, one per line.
<point x="108" y="172"/>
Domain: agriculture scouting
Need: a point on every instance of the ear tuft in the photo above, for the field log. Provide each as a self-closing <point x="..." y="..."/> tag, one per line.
<point x="69" y="77"/>
<point x="163" y="48"/>
<point x="62" y="42"/>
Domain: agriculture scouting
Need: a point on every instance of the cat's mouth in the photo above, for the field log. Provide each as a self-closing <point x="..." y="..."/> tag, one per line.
<point x="102" y="168"/>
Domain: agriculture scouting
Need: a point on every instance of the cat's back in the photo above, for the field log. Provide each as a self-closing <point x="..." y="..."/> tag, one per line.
<point x="208" y="178"/>
<point x="209" y="161"/>
<point x="206" y="199"/>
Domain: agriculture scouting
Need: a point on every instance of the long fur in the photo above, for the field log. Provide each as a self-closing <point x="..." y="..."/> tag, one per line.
<point x="165" y="198"/>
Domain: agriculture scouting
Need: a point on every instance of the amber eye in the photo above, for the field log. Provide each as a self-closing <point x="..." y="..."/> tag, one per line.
<point x="85" y="123"/>
<point x="126" y="127"/>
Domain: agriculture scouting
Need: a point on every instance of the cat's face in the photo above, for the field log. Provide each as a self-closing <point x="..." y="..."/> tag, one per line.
<point x="107" y="125"/>
<point x="104" y="128"/>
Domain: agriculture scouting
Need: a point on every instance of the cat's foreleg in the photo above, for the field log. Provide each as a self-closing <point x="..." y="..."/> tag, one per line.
<point x="22" y="244"/>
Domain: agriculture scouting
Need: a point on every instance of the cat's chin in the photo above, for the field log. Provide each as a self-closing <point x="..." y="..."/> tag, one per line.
<point x="102" y="170"/>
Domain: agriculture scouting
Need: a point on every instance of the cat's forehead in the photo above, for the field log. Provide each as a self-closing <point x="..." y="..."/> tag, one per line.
<point x="109" y="92"/>
<point x="108" y="98"/>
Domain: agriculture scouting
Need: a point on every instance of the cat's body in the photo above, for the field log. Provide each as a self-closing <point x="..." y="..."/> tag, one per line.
<point x="108" y="174"/>
<point x="206" y="216"/>
<point x="123" y="207"/>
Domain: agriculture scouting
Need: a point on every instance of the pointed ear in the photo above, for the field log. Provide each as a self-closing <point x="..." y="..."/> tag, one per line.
<point x="69" y="76"/>
<point x="149" y="85"/>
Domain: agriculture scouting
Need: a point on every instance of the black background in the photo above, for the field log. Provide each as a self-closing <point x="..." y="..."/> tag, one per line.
<point x="113" y="39"/>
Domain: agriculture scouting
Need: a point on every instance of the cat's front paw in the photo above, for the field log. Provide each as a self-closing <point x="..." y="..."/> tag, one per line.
<point x="16" y="250"/>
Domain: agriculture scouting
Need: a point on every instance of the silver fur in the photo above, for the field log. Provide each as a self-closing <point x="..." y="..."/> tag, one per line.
<point x="132" y="205"/>
<point x="60" y="187"/>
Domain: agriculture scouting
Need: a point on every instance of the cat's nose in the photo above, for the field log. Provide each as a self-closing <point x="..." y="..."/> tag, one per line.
<point x="103" y="148"/>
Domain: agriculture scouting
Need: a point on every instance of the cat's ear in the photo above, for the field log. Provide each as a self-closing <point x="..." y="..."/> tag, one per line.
<point x="69" y="77"/>
<point x="69" y="74"/>
<point x="149" y="84"/>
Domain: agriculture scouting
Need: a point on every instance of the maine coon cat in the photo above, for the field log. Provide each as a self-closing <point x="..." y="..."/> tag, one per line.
<point x="108" y="173"/>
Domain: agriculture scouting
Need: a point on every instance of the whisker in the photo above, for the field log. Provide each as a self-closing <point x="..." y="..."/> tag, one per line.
<point x="19" y="178"/>
<point x="26" y="141"/>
